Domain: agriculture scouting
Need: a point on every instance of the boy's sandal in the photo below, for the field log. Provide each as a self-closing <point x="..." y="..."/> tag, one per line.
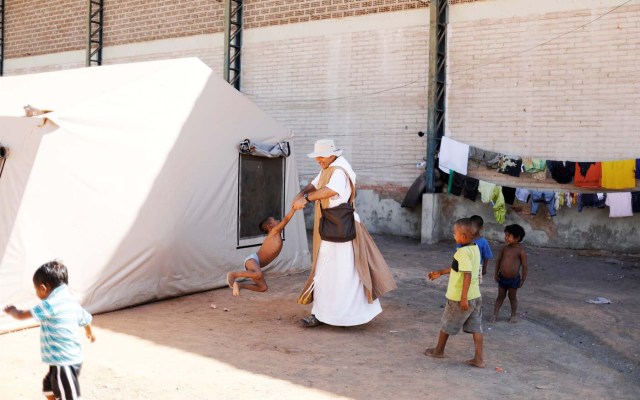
<point x="310" y="321"/>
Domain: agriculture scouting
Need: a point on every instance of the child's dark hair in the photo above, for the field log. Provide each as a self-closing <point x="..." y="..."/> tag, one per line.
<point x="515" y="230"/>
<point x="477" y="221"/>
<point x="262" y="225"/>
<point x="466" y="226"/>
<point x="51" y="274"/>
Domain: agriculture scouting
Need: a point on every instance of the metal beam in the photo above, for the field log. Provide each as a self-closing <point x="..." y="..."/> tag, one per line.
<point x="439" y="11"/>
<point x="1" y="37"/>
<point x="94" y="32"/>
<point x="233" y="41"/>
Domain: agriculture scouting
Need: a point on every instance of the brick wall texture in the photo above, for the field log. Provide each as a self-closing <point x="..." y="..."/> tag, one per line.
<point x="40" y="27"/>
<point x="366" y="89"/>
<point x="555" y="85"/>
<point x="508" y="90"/>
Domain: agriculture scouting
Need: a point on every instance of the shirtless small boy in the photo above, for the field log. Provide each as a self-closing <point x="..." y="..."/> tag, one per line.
<point x="508" y="263"/>
<point x="255" y="262"/>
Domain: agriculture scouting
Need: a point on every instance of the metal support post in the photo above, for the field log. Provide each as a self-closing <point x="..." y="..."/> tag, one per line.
<point x="437" y="84"/>
<point x="1" y="37"/>
<point x="94" y="32"/>
<point x="233" y="41"/>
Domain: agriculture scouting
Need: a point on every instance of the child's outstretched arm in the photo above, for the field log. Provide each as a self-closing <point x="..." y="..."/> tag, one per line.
<point x="523" y="262"/>
<point x="433" y="275"/>
<point x="278" y="228"/>
<point x="17" y="314"/>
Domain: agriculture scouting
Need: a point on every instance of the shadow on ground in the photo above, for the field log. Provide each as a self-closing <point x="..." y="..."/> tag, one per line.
<point x="563" y="347"/>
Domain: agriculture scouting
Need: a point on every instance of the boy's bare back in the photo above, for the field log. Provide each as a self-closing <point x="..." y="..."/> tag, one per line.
<point x="510" y="260"/>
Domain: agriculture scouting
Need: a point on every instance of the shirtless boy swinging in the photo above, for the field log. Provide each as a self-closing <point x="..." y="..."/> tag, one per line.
<point x="255" y="262"/>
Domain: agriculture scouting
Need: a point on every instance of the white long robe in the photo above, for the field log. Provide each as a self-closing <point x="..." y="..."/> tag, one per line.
<point x="338" y="295"/>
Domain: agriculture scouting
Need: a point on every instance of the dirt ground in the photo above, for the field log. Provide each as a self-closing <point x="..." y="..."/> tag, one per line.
<point x="253" y="347"/>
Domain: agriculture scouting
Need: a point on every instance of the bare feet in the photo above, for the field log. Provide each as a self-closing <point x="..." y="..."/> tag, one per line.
<point x="230" y="279"/>
<point x="493" y="319"/>
<point x="236" y="289"/>
<point x="475" y="363"/>
<point x="431" y="352"/>
<point x="513" y="319"/>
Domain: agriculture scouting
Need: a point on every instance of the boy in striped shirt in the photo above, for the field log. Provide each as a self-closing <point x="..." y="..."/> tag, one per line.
<point x="59" y="315"/>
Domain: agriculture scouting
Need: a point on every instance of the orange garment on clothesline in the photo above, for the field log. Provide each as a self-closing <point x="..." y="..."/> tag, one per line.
<point x="593" y="178"/>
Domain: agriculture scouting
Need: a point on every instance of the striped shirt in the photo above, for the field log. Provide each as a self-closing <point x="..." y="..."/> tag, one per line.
<point x="60" y="316"/>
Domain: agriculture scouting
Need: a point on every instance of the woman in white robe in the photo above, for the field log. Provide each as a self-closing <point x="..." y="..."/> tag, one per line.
<point x="339" y="296"/>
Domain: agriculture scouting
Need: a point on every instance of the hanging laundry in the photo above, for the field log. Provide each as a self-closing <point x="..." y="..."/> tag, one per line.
<point x="619" y="204"/>
<point x="486" y="190"/>
<point x="471" y="188"/>
<point x="618" y="174"/>
<point x="638" y="168"/>
<point x="583" y="167"/>
<point x="509" y="165"/>
<point x="453" y="155"/>
<point x="548" y="198"/>
<point x="509" y="194"/>
<point x="532" y="165"/>
<point x="487" y="158"/>
<point x="499" y="207"/>
<point x="559" y="200"/>
<point x="523" y="195"/>
<point x="457" y="183"/>
<point x="541" y="176"/>
<point x="635" y="202"/>
<point x="588" y="175"/>
<point x="596" y="200"/>
<point x="568" y="199"/>
<point x="562" y="171"/>
<point x="464" y="185"/>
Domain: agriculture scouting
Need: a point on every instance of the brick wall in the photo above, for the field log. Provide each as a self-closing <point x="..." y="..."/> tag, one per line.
<point x="43" y="27"/>
<point x="34" y="28"/>
<point x="133" y="21"/>
<point x="280" y="12"/>
<point x="365" y="87"/>
<point x="558" y="84"/>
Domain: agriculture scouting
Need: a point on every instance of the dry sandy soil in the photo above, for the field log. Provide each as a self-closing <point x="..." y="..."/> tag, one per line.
<point x="562" y="348"/>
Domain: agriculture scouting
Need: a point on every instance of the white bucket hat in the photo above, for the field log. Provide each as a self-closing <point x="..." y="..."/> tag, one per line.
<point x="324" y="148"/>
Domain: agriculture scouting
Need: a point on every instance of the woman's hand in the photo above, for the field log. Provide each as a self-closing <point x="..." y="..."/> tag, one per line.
<point x="299" y="204"/>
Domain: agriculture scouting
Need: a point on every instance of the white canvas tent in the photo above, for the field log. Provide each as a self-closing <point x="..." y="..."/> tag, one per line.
<point x="131" y="180"/>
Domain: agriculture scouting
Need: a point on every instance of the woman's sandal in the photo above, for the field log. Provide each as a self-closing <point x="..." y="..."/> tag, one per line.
<point x="310" y="321"/>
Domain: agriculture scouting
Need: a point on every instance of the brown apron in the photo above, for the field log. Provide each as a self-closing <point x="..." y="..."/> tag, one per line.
<point x="374" y="273"/>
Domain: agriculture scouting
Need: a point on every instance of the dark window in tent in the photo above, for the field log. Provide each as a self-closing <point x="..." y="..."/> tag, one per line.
<point x="261" y="194"/>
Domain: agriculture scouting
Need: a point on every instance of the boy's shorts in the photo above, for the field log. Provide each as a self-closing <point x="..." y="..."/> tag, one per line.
<point x="513" y="283"/>
<point x="469" y="321"/>
<point x="62" y="382"/>
<point x="253" y="257"/>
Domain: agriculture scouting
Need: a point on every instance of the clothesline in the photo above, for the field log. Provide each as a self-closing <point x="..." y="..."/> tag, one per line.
<point x="621" y="176"/>
<point x="584" y="176"/>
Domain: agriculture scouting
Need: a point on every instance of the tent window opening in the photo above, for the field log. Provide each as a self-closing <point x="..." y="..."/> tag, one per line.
<point x="261" y="194"/>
